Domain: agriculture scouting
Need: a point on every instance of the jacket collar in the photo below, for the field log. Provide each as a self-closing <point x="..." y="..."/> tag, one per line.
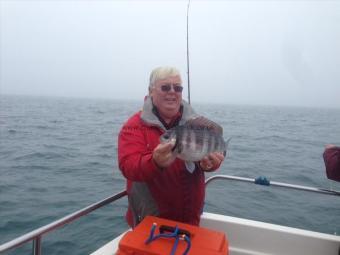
<point x="150" y="118"/>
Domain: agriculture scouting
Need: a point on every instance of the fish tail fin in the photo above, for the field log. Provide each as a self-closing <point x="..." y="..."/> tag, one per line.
<point x="227" y="143"/>
<point x="226" y="147"/>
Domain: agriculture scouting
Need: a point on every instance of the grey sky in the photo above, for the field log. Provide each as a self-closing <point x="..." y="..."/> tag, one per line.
<point x="244" y="52"/>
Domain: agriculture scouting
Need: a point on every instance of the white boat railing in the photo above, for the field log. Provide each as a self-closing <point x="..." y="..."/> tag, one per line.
<point x="264" y="181"/>
<point x="36" y="235"/>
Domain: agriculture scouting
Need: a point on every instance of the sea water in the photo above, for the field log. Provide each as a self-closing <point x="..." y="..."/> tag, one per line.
<point x="58" y="155"/>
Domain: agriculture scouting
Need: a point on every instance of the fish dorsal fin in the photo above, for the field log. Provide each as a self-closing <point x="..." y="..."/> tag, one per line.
<point x="204" y="123"/>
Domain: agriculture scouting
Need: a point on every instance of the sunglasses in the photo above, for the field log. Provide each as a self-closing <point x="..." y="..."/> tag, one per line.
<point x="167" y="88"/>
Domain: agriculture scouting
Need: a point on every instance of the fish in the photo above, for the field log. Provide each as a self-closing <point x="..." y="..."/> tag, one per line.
<point x="195" y="139"/>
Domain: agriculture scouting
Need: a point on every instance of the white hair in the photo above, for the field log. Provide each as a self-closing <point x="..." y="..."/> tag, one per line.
<point x="162" y="72"/>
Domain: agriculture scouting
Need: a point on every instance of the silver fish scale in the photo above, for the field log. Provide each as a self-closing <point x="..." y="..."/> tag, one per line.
<point x="192" y="144"/>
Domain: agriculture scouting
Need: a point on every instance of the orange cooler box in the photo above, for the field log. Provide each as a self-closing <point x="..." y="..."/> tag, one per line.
<point x="203" y="241"/>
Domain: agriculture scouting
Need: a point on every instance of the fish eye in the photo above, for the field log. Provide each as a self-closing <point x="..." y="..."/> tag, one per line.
<point x="166" y="136"/>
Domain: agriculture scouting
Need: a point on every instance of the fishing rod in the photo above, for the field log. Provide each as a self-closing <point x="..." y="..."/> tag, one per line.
<point x="264" y="181"/>
<point x="188" y="70"/>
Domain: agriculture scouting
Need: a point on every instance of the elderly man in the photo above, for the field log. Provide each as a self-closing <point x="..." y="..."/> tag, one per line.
<point x="158" y="183"/>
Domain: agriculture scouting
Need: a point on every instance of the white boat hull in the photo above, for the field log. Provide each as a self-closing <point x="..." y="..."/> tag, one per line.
<point x="254" y="237"/>
<point x="258" y="238"/>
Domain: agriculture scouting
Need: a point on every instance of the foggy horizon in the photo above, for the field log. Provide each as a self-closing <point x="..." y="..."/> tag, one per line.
<point x="140" y="101"/>
<point x="278" y="53"/>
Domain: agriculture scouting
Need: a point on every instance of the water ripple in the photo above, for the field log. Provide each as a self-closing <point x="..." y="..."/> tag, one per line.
<point x="59" y="155"/>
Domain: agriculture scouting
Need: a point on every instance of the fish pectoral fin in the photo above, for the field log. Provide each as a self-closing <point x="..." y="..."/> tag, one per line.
<point x="176" y="144"/>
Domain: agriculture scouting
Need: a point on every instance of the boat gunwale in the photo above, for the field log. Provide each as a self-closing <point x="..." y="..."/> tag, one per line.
<point x="36" y="235"/>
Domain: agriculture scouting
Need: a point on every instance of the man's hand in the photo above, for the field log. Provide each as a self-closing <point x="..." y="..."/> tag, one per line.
<point x="162" y="155"/>
<point x="329" y="146"/>
<point x="211" y="161"/>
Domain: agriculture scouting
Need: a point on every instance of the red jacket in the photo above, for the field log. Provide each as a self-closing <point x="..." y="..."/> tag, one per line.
<point x="332" y="162"/>
<point x="173" y="193"/>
